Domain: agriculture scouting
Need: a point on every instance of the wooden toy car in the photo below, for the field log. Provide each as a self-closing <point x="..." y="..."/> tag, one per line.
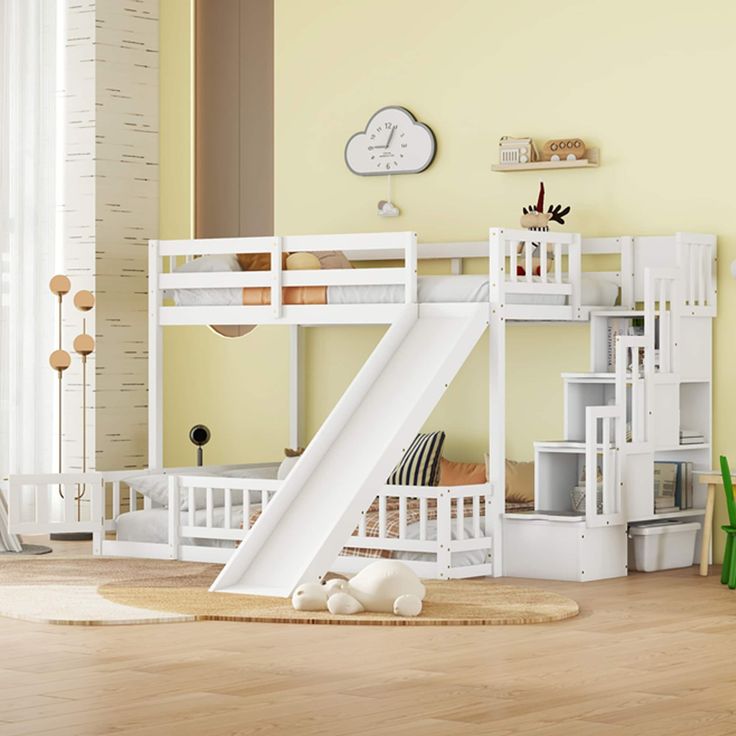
<point x="563" y="149"/>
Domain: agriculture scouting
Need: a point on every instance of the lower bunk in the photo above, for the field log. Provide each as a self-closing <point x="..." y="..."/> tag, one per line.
<point x="439" y="531"/>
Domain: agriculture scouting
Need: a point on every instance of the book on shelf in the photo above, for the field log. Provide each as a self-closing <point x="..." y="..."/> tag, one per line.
<point x="691" y="437"/>
<point x="673" y="486"/>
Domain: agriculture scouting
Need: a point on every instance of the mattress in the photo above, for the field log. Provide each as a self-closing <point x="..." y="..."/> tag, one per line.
<point x="430" y="289"/>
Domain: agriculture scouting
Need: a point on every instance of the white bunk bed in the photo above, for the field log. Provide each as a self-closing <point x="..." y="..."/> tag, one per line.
<point x="440" y="532"/>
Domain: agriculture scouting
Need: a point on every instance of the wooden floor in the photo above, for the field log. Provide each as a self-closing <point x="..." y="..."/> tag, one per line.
<point x="651" y="654"/>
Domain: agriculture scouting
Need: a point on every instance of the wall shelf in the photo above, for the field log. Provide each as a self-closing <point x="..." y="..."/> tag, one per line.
<point x="592" y="161"/>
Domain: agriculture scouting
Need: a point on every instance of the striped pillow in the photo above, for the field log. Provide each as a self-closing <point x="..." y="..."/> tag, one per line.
<point x="420" y="465"/>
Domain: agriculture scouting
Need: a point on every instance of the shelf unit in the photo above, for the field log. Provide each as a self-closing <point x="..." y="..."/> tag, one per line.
<point x="677" y="402"/>
<point x="591" y="161"/>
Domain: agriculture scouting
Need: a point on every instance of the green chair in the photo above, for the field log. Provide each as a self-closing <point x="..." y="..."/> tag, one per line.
<point x="729" y="557"/>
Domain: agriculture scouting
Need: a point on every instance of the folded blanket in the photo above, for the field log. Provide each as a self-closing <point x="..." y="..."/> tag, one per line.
<point x="261" y="295"/>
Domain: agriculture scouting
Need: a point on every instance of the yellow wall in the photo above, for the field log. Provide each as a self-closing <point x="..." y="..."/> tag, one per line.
<point x="647" y="82"/>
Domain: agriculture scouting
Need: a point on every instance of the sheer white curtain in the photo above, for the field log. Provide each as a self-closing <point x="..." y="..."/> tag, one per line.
<point x="27" y="232"/>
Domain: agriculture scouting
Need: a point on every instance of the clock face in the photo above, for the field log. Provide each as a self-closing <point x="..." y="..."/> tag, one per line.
<point x="393" y="142"/>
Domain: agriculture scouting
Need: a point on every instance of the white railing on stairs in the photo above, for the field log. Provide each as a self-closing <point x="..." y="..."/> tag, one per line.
<point x="662" y="304"/>
<point x="603" y="452"/>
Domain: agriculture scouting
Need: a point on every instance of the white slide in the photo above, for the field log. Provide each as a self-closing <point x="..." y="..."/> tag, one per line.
<point x="302" y="530"/>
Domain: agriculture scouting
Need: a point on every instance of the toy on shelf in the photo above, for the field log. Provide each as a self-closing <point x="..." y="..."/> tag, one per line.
<point x="519" y="154"/>
<point x="516" y="151"/>
<point x="564" y="149"/>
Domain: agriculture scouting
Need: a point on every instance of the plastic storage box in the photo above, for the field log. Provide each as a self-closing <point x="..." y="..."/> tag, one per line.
<point x="662" y="545"/>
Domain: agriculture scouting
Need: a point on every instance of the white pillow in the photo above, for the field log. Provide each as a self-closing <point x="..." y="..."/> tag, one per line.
<point x="209" y="264"/>
<point x="598" y="292"/>
<point x="286" y="465"/>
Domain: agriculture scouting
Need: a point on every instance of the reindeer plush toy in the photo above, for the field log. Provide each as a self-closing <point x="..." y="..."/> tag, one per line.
<point x="535" y="218"/>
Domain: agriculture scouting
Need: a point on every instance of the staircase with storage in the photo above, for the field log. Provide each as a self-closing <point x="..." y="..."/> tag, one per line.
<point x="646" y="399"/>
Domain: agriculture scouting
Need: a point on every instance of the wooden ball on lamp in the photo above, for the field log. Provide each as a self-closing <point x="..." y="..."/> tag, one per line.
<point x="84" y="344"/>
<point x="60" y="285"/>
<point x="84" y="300"/>
<point x="60" y="360"/>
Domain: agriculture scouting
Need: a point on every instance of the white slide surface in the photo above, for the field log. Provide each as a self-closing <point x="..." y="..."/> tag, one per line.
<point x="302" y="530"/>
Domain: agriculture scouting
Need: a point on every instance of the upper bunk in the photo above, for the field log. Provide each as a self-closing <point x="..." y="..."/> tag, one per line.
<point x="370" y="278"/>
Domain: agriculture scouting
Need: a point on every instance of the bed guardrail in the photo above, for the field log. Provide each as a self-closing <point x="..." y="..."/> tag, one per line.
<point x="535" y="263"/>
<point x="433" y="521"/>
<point x="165" y="254"/>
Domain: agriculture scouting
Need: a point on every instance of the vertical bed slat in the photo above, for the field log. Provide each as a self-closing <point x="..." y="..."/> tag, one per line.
<point x="528" y="253"/>
<point x="402" y="517"/>
<point x="173" y="515"/>
<point x="543" y="263"/>
<point x="276" y="278"/>
<point x="190" y="502"/>
<point x="246" y="510"/>
<point x="423" y="518"/>
<point x="558" y="263"/>
<point x="115" y="499"/>
<point x="382" y="516"/>
<point x="210" y="508"/>
<point x="361" y="525"/>
<point x="476" y="516"/>
<point x="514" y="255"/>
<point x="460" y="518"/>
<point x="700" y="250"/>
<point x="227" y="521"/>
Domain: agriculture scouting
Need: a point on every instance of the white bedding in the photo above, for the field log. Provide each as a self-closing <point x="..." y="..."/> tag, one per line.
<point x="152" y="526"/>
<point x="430" y="289"/>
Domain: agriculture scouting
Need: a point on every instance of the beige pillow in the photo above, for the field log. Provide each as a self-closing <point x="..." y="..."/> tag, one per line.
<point x="333" y="259"/>
<point x="519" y="480"/>
<point x="303" y="262"/>
<point x="461" y="474"/>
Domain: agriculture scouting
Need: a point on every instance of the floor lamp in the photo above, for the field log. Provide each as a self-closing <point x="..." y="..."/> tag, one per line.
<point x="60" y="360"/>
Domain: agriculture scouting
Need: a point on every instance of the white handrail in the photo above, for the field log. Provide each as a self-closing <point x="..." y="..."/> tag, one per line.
<point x="609" y="417"/>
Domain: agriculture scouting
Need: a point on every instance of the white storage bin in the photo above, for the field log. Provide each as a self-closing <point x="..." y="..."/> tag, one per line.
<point x="662" y="545"/>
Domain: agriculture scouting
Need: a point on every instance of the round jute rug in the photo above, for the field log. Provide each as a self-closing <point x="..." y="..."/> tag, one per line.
<point x="448" y="603"/>
<point x="108" y="590"/>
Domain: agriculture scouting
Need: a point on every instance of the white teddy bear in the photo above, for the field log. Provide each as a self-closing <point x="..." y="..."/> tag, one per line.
<point x="386" y="586"/>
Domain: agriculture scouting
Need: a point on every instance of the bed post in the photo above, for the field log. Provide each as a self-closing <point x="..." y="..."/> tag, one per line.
<point x="296" y="345"/>
<point x="155" y="361"/>
<point x="497" y="428"/>
<point x="497" y="396"/>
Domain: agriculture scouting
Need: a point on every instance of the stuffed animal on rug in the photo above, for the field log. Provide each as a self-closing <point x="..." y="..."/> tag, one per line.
<point x="384" y="586"/>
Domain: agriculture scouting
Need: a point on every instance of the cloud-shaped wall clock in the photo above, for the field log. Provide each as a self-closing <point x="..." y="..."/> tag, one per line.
<point x="393" y="142"/>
